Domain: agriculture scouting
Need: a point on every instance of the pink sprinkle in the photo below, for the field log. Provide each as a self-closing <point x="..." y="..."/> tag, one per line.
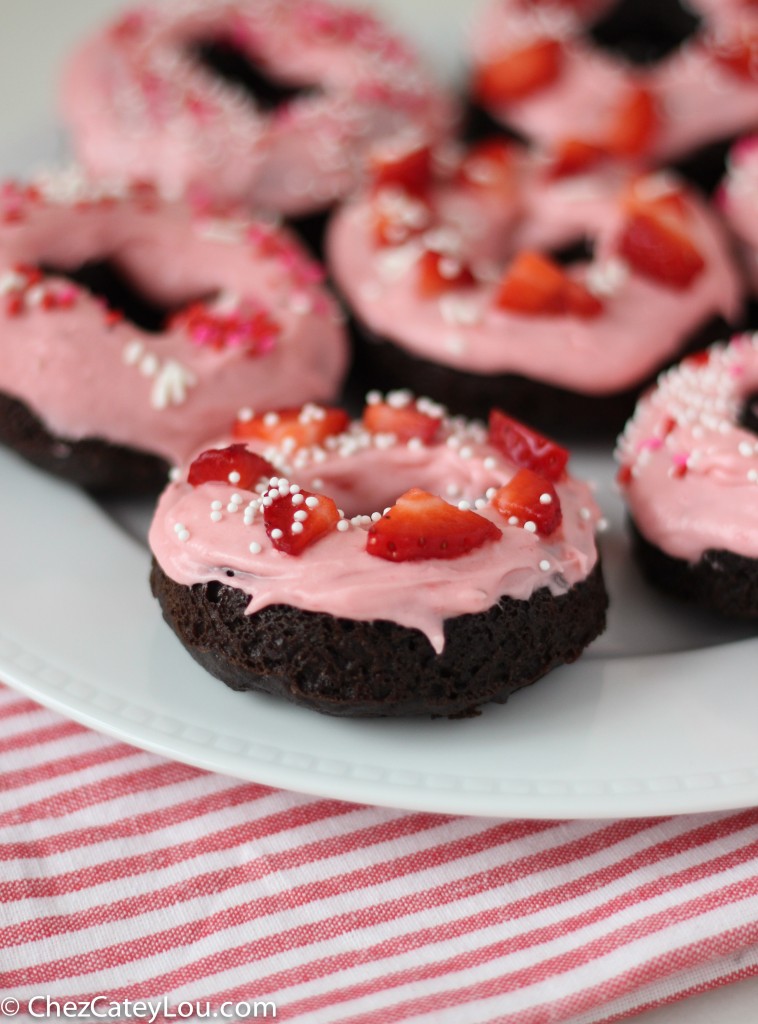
<point x="651" y="444"/>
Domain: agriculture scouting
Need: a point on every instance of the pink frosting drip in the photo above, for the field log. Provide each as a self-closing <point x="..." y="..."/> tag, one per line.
<point x="690" y="473"/>
<point x="139" y="104"/>
<point x="700" y="100"/>
<point x="643" y="325"/>
<point x="336" y="575"/>
<point x="164" y="393"/>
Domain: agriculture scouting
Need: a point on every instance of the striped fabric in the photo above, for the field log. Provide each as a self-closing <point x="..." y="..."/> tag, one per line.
<point x="130" y="877"/>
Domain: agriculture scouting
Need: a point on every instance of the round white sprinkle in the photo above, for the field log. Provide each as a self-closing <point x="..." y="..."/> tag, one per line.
<point x="234" y="477"/>
<point x="217" y="505"/>
<point x="245" y="415"/>
<point x="216" y="516"/>
<point x="271" y="419"/>
<point x="546" y="499"/>
<point x="545" y="565"/>
<point x="513" y="521"/>
<point x="311" y="502"/>
<point x="255" y="548"/>
<point x="490" y="463"/>
<point x="297" y="499"/>
<point x="490" y="493"/>
<point x="301" y="516"/>
<point x="585" y="514"/>
<point x="184" y="535"/>
<point x="232" y="507"/>
<point x="178" y="527"/>
<point x="373" y="398"/>
<point x="343" y="525"/>
<point x="297" y="528"/>
<point x="530" y="527"/>
<point x="464" y="506"/>
<point x="174" y="474"/>
<point x="276" y="534"/>
<point x="375" y="517"/>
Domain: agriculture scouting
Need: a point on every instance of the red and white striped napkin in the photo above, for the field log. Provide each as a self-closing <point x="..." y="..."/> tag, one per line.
<point x="129" y="877"/>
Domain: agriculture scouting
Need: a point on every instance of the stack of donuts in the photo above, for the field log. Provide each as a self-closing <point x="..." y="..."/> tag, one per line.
<point x="347" y="322"/>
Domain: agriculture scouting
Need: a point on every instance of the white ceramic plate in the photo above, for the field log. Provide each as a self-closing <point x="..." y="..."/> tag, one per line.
<point x="658" y="718"/>
<point x="616" y="735"/>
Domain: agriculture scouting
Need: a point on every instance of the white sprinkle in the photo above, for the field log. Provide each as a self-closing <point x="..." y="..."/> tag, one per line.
<point x="490" y="463"/>
<point x="178" y="527"/>
<point x="216" y="516"/>
<point x="373" y="398"/>
<point x="132" y="352"/>
<point x="464" y="506"/>
<point x="184" y="536"/>
<point x="232" y="507"/>
<point x="174" y="474"/>
<point x="297" y="528"/>
<point x="375" y="517"/>
<point x="276" y="534"/>
<point x="513" y="521"/>
<point x="546" y="499"/>
<point x="752" y="475"/>
<point x="271" y="419"/>
<point x="217" y="505"/>
<point x="602" y="525"/>
<point x="530" y="527"/>
<point x="585" y="514"/>
<point x="490" y="493"/>
<point x="318" y="483"/>
<point x="545" y="565"/>
<point x="480" y="503"/>
<point x="234" y="477"/>
<point x="297" y="498"/>
<point x="245" y="415"/>
<point x="255" y="548"/>
<point x="300" y="516"/>
<point x="466" y="452"/>
<point x="343" y="525"/>
<point x="311" y="502"/>
<point x="149" y="365"/>
<point x="745" y="448"/>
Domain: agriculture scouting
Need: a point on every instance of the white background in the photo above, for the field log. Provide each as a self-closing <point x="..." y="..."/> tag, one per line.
<point x="34" y="37"/>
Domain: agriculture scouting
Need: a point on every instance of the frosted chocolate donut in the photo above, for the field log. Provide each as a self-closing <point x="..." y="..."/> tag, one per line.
<point x="408" y="563"/>
<point x="456" y="280"/>
<point x="269" y="104"/>
<point x="689" y="475"/>
<point x="652" y="82"/>
<point x="132" y="327"/>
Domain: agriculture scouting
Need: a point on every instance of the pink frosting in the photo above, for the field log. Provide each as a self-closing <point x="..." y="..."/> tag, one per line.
<point x="364" y="473"/>
<point x="739" y="200"/>
<point x="88" y="376"/>
<point x="690" y="473"/>
<point x="643" y="325"/>
<point x="699" y="99"/>
<point x="139" y="103"/>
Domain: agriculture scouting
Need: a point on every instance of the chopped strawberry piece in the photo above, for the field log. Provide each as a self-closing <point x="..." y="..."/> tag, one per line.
<point x="490" y="167"/>
<point x="438" y="272"/>
<point x="234" y="465"/>
<point x="421" y="526"/>
<point x="405" y="422"/>
<point x="575" y="156"/>
<point x="295" y="521"/>
<point x="668" y="202"/>
<point x="634" y="125"/>
<point x="530" y="498"/>
<point x="409" y="169"/>
<point x="398" y="217"/>
<point x="527" y="448"/>
<point x="624" y="476"/>
<point x="536" y="286"/>
<point x="307" y="426"/>
<point x="697" y="359"/>
<point x="658" y="248"/>
<point x="738" y="56"/>
<point x="520" y="73"/>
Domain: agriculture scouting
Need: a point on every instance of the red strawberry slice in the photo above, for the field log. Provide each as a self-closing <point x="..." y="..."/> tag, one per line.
<point x="295" y="521"/>
<point x="536" y="286"/>
<point x="575" y="156"/>
<point x="405" y="422"/>
<point x="307" y="426"/>
<point x="526" y="447"/>
<point x="530" y="498"/>
<point x="738" y="56"/>
<point x="520" y="73"/>
<point x="408" y="168"/>
<point x="420" y="526"/>
<point x="658" y="248"/>
<point x="234" y="465"/>
<point x="398" y="217"/>
<point x="439" y="272"/>
<point x="634" y="125"/>
<point x="490" y="167"/>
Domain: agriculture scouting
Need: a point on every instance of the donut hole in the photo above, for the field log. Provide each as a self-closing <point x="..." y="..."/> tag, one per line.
<point x="645" y="31"/>
<point x="748" y="418"/>
<point x="104" y="279"/>
<point x="580" y="250"/>
<point x="373" y="480"/>
<point x="228" y="62"/>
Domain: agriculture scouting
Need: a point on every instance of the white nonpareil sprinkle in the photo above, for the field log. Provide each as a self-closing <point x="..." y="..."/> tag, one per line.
<point x="184" y="536"/>
<point x="530" y="526"/>
<point x="343" y="525"/>
<point x="546" y="499"/>
<point x="172" y="382"/>
<point x="276" y="534"/>
<point x="216" y="516"/>
<point x="300" y="516"/>
<point x="149" y="365"/>
<point x="132" y="352"/>
<point x="255" y="548"/>
<point x="217" y="505"/>
<point x="245" y="415"/>
<point x="297" y="498"/>
<point x="234" y="477"/>
<point x="545" y="565"/>
<point x="297" y="528"/>
<point x="311" y="502"/>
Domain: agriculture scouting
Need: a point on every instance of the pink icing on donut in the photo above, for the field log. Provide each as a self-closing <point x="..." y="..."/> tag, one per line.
<point x="253" y="324"/>
<point x="689" y="470"/>
<point x="643" y="323"/>
<point x="739" y="200"/>
<point x="699" y="99"/>
<point x="140" y="103"/>
<point x="199" y="534"/>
